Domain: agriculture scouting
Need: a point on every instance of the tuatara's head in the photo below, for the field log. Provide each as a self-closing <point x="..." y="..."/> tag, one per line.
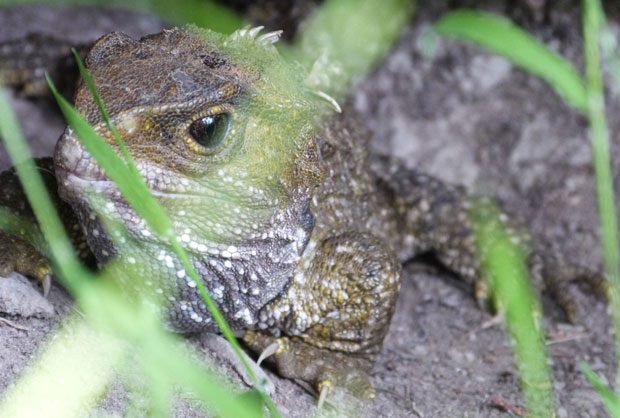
<point x="220" y="129"/>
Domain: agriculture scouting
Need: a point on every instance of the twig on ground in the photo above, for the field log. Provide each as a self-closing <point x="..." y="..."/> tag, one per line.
<point x="13" y="324"/>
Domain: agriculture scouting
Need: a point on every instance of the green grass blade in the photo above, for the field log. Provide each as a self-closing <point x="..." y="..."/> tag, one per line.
<point x="203" y="13"/>
<point x="510" y="41"/>
<point x="347" y="34"/>
<point x="592" y="24"/>
<point x="125" y="326"/>
<point x="504" y="264"/>
<point x="609" y="398"/>
<point x="69" y="378"/>
<point x="61" y="251"/>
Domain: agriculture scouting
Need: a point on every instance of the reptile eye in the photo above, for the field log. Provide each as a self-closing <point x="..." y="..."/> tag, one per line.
<point x="211" y="131"/>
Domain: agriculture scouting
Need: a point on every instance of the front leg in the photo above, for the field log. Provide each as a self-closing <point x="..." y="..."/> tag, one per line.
<point x="335" y="314"/>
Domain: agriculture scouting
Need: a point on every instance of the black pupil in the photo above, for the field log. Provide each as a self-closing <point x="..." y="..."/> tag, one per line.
<point x="210" y="131"/>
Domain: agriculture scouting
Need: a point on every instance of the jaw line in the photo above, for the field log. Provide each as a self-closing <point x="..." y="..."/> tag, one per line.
<point x="105" y="184"/>
<point x="106" y="188"/>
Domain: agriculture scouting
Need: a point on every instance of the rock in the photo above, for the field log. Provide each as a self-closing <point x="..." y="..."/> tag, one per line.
<point x="18" y="297"/>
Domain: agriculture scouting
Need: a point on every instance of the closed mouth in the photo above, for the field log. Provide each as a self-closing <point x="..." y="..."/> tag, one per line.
<point x="64" y="172"/>
<point x="70" y="181"/>
<point x="103" y="184"/>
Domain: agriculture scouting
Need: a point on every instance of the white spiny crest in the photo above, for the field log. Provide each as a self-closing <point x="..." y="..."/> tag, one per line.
<point x="240" y="33"/>
<point x="251" y="33"/>
<point x="255" y="31"/>
<point x="270" y="37"/>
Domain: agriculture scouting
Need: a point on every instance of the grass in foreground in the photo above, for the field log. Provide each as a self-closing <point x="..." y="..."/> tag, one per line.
<point x="506" y="39"/>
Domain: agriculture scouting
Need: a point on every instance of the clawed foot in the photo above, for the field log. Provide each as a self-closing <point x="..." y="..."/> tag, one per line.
<point x="552" y="275"/>
<point x="549" y="271"/>
<point x="324" y="369"/>
<point x="21" y="257"/>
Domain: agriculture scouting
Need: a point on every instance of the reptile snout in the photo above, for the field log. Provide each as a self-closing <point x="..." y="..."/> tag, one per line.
<point x="70" y="157"/>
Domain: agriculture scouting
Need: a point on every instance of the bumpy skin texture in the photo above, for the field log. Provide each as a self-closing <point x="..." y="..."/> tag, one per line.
<point x="295" y="232"/>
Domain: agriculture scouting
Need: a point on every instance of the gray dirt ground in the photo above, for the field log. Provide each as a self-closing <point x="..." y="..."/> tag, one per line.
<point x="468" y="118"/>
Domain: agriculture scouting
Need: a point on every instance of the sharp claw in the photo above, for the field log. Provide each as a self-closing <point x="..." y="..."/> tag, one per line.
<point x="324" y="388"/>
<point x="269" y="351"/>
<point x="46" y="283"/>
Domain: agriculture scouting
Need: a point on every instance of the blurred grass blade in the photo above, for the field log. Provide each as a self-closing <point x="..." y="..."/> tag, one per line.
<point x="61" y="251"/>
<point x="592" y="22"/>
<point x="53" y="380"/>
<point x="510" y="41"/>
<point x="344" y="39"/>
<point x="68" y="379"/>
<point x="609" y="398"/>
<point x="204" y="13"/>
<point x="42" y="382"/>
<point x="504" y="264"/>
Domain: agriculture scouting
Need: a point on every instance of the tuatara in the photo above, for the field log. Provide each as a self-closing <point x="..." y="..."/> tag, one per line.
<point x="295" y="230"/>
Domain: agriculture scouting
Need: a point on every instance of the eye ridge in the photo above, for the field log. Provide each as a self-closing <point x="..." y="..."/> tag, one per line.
<point x="210" y="131"/>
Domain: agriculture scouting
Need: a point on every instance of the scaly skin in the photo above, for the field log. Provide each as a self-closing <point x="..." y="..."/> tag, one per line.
<point x="295" y="233"/>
